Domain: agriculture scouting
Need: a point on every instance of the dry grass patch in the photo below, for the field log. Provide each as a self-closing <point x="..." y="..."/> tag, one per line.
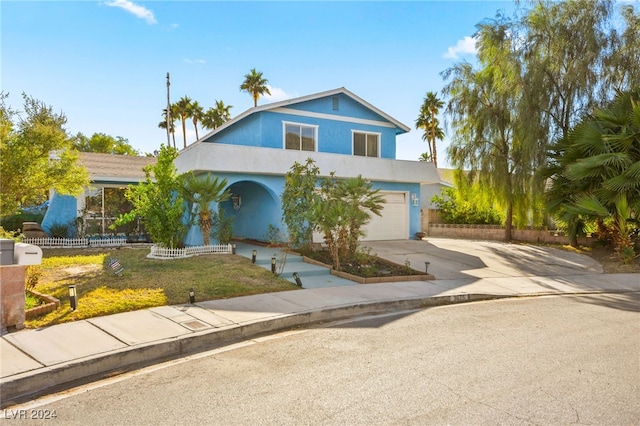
<point x="611" y="263"/>
<point x="145" y="282"/>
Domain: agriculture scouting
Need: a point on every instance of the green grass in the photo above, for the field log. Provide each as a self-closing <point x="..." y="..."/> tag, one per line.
<point x="31" y="301"/>
<point x="145" y="282"/>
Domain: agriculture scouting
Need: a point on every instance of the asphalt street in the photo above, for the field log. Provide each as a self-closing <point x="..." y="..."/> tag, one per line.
<point x="546" y="360"/>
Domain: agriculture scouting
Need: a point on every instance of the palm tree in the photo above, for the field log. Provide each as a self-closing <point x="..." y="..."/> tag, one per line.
<point x="362" y="200"/>
<point x="216" y="116"/>
<point x="196" y="113"/>
<point x="199" y="192"/>
<point x="339" y="212"/>
<point x="224" y="112"/>
<point x="428" y="121"/>
<point x="172" y="127"/>
<point x="255" y="85"/>
<point x="597" y="174"/>
<point x="182" y="108"/>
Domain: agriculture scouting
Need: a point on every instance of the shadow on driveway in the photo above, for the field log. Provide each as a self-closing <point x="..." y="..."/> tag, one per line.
<point x="469" y="259"/>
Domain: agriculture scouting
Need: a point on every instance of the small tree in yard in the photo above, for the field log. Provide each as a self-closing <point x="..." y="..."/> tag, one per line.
<point x="329" y="217"/>
<point x="199" y="193"/>
<point x="340" y="211"/>
<point x="297" y="200"/>
<point x="159" y="203"/>
<point x="362" y="200"/>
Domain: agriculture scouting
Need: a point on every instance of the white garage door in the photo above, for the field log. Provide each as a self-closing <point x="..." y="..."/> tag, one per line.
<point x="394" y="222"/>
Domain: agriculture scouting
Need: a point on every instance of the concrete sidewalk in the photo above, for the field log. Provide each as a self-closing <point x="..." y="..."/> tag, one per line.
<point x="34" y="361"/>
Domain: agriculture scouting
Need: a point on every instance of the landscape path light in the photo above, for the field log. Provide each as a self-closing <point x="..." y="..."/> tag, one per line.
<point x="73" y="297"/>
<point x="296" y="277"/>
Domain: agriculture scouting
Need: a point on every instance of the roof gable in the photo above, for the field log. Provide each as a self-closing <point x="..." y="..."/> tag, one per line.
<point x="320" y="103"/>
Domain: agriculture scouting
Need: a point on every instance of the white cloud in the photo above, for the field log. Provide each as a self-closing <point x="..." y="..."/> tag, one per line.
<point x="466" y="45"/>
<point x="139" y="11"/>
<point x="278" y="94"/>
<point x="195" y="61"/>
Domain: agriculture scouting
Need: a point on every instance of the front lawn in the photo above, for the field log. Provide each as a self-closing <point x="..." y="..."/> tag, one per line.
<point x="145" y="282"/>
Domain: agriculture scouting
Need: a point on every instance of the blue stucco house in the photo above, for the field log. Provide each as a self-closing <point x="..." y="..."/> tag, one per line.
<point x="102" y="201"/>
<point x="341" y="132"/>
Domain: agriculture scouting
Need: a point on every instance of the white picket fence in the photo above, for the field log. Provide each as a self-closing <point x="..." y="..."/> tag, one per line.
<point x="108" y="242"/>
<point x="76" y="242"/>
<point x="158" y="252"/>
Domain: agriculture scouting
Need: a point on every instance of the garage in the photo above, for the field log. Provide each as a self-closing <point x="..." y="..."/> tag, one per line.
<point x="394" y="222"/>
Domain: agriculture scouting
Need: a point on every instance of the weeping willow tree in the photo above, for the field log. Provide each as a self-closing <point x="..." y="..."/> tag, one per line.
<point x="488" y="139"/>
<point x="538" y="74"/>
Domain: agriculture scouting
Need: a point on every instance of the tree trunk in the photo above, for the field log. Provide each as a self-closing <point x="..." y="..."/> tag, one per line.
<point x="508" y="222"/>
<point x="434" y="155"/>
<point x="184" y="132"/>
<point x="205" y="228"/>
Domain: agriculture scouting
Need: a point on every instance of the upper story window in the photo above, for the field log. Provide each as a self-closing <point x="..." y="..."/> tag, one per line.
<point x="299" y="136"/>
<point x="366" y="144"/>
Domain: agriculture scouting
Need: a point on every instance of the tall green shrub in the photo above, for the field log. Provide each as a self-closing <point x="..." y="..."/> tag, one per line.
<point x="454" y="208"/>
<point x="158" y="202"/>
<point x="297" y="200"/>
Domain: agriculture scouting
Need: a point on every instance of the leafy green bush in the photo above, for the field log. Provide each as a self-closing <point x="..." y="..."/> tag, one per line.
<point x="222" y="227"/>
<point x="14" y="222"/>
<point x="33" y="274"/>
<point x="455" y="209"/>
<point x="59" y="230"/>
<point x="11" y="235"/>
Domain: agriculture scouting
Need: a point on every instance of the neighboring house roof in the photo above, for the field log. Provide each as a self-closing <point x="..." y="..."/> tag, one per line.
<point x="115" y="168"/>
<point x="446" y="176"/>
<point x="402" y="128"/>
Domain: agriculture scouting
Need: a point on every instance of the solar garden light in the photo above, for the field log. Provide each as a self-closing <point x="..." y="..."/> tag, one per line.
<point x="426" y="267"/>
<point x="73" y="297"/>
<point x="273" y="264"/>
<point x="254" y="254"/>
<point x="192" y="296"/>
<point x="296" y="277"/>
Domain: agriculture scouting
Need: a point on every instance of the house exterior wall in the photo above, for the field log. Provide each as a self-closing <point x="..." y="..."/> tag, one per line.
<point x="346" y="107"/>
<point x="219" y="158"/>
<point x="257" y="175"/>
<point x="334" y="128"/>
<point x="62" y="210"/>
<point x="428" y="191"/>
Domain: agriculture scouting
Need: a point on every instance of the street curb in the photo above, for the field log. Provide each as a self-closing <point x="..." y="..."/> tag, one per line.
<point x="29" y="385"/>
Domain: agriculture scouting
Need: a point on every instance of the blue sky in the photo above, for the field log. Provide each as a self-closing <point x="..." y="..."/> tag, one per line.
<point x="104" y="63"/>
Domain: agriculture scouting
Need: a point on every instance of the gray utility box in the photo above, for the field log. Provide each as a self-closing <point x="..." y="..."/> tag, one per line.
<point x="27" y="254"/>
<point x="6" y="251"/>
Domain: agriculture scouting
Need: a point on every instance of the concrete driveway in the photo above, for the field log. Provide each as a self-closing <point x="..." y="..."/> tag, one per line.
<point x="457" y="258"/>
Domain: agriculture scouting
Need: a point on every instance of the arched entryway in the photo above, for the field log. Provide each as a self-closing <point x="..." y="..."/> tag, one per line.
<point x="254" y="208"/>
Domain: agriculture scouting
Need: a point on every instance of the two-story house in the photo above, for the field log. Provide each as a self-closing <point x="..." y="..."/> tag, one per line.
<point x="341" y="132"/>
